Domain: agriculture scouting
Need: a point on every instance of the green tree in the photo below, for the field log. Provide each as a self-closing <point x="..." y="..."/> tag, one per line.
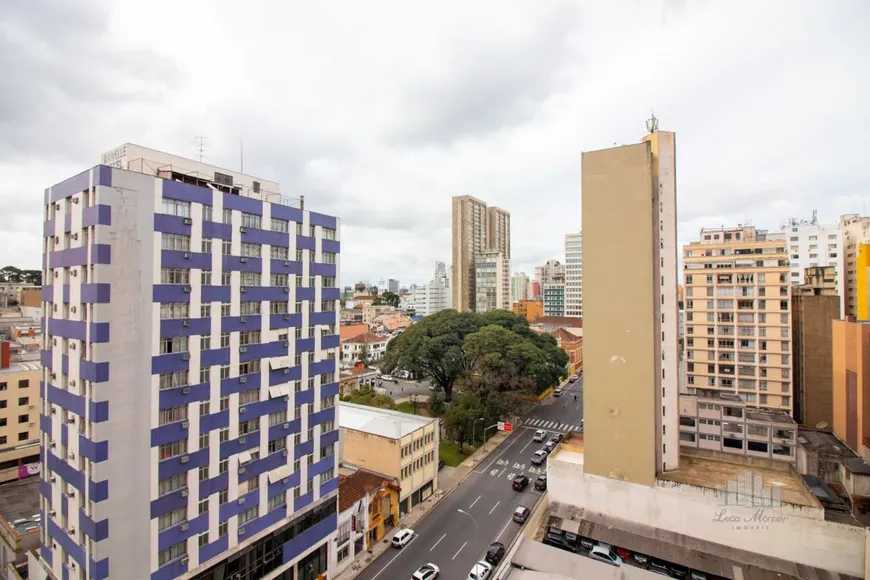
<point x="374" y="291"/>
<point x="371" y="398"/>
<point x="390" y="299"/>
<point x="436" y="405"/>
<point x="363" y="355"/>
<point x="505" y="361"/>
<point x="433" y="346"/>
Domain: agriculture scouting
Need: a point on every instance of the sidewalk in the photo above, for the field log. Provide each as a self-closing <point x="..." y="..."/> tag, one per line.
<point x="447" y="482"/>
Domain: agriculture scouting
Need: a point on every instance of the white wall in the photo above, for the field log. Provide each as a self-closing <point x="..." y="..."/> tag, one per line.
<point x="803" y="536"/>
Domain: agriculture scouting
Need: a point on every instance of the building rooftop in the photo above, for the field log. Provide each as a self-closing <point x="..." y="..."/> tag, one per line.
<point x="701" y="469"/>
<point x="381" y="422"/>
<point x="19" y="504"/>
<point x="831" y="447"/>
<point x="563" y="321"/>
<point x="353" y="487"/>
<point x="366" y="338"/>
<point x="769" y="415"/>
<point x="20" y="367"/>
<point x="357" y="371"/>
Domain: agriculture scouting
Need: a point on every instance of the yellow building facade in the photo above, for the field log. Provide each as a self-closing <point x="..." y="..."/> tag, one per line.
<point x="862" y="282"/>
<point x="19" y="420"/>
<point x="531" y="310"/>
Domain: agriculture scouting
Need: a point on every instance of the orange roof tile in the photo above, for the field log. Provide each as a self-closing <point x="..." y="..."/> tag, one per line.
<point x="355" y="486"/>
<point x="367" y="338"/>
<point x="349" y="331"/>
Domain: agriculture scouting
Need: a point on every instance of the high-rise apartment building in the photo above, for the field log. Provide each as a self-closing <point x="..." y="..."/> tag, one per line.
<point x="552" y="271"/>
<point x="553" y="294"/>
<point x="434" y="296"/>
<point x="855" y="230"/>
<point x="476" y="228"/>
<point x="519" y="287"/>
<point x="630" y="337"/>
<point x="738" y="315"/>
<point x="492" y="283"/>
<point x="190" y="375"/>
<point x="812" y="245"/>
<point x="393" y="286"/>
<point x="574" y="275"/>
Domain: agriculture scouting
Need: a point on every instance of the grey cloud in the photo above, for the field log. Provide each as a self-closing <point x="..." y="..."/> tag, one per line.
<point x="56" y="59"/>
<point x="490" y="87"/>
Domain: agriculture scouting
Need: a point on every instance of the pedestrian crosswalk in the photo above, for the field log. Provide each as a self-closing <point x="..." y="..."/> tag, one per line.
<point x="553" y="425"/>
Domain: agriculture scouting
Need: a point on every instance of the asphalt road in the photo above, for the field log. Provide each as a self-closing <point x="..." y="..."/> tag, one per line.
<point x="407" y="388"/>
<point x="454" y="541"/>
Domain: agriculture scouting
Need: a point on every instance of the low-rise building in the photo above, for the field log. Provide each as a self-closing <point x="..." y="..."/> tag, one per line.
<point x="529" y="309"/>
<point x="572" y="345"/>
<point x="368" y="506"/>
<point x="722" y="422"/>
<point x="356" y="377"/>
<point x="390" y="321"/>
<point x="349" y="331"/>
<point x="370" y="346"/>
<point x="20" y="524"/>
<point x="846" y="475"/>
<point x="19" y="416"/>
<point x="550" y="324"/>
<point x="398" y="445"/>
<point x="359" y="301"/>
<point x="554" y="298"/>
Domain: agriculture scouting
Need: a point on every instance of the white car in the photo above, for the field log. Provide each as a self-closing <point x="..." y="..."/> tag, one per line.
<point x="402" y="537"/>
<point x="426" y="572"/>
<point x="481" y="571"/>
<point x="540" y="435"/>
<point x="604" y="553"/>
<point x="539" y="457"/>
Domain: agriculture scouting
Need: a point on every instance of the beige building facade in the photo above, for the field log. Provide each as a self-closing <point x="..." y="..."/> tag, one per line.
<point x="738" y="316"/>
<point x="631" y="335"/>
<point x="399" y="445"/>
<point x="19" y="417"/>
<point x="855" y="230"/>
<point x="476" y="228"/>
<point x="492" y="282"/>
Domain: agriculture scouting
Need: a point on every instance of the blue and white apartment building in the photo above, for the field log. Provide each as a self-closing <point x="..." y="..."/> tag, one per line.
<point x="191" y="351"/>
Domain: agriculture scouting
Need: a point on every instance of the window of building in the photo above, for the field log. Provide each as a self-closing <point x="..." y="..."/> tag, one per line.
<point x="174" y="310"/>
<point x="179" y="242"/>
<point x="171" y="553"/>
<point x="176" y="207"/>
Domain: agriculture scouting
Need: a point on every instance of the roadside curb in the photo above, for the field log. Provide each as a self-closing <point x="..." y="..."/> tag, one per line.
<point x="511" y="549"/>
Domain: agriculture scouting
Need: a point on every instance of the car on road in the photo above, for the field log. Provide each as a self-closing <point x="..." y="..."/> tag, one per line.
<point x="540" y="435"/>
<point x="557" y="392"/>
<point x="402" y="537"/>
<point x="426" y="572"/>
<point x="605" y="553"/>
<point x="495" y="553"/>
<point x="480" y="571"/>
<point x="521" y="482"/>
<point x="539" y="457"/>
<point x="549" y="446"/>
<point x="573" y="378"/>
<point x="541" y="483"/>
<point x="557" y="438"/>
<point x="389" y="379"/>
<point x="521" y="514"/>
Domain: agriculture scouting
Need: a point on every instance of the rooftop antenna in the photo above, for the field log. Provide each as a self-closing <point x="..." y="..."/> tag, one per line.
<point x="652" y="124"/>
<point x="201" y="146"/>
<point x="815" y="217"/>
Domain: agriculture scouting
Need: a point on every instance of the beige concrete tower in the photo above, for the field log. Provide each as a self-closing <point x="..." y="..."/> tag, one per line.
<point x="498" y="231"/>
<point x="469" y="240"/>
<point x="630" y="310"/>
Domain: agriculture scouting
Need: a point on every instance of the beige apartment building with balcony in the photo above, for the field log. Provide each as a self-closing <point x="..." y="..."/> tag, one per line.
<point x="738" y="316"/>
<point x="722" y="422"/>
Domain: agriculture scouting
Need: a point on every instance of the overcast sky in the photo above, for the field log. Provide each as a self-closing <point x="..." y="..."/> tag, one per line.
<point x="381" y="111"/>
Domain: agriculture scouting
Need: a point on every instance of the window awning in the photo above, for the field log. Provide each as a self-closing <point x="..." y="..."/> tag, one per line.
<point x="277" y="475"/>
<point x="278" y="391"/>
<point x="244" y="457"/>
<point x="279" y="362"/>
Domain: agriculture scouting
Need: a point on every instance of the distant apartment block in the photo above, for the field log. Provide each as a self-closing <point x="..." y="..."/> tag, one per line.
<point x="190" y="374"/>
<point x="476" y="228"/>
<point x="529" y="309"/>
<point x="492" y="281"/>
<point x="551" y="271"/>
<point x="851" y="388"/>
<point x="814" y="306"/>
<point x="855" y="231"/>
<point x="393" y="286"/>
<point x="718" y="421"/>
<point x="574" y="274"/>
<point x="811" y="245"/>
<point x="519" y="287"/>
<point x="434" y="296"/>
<point x="738" y="316"/>
<point x="554" y="298"/>
<point x="19" y="416"/>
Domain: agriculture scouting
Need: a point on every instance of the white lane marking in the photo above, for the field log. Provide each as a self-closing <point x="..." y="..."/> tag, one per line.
<point x="493" y="507"/>
<point x="503" y="529"/>
<point x="474" y="502"/>
<point x="503" y="451"/>
<point x="436" y="543"/>
<point x="564" y="427"/>
<point x="579" y="407"/>
<point x="456" y="554"/>
<point x="523" y="450"/>
<point x="388" y="564"/>
<point x="502" y="471"/>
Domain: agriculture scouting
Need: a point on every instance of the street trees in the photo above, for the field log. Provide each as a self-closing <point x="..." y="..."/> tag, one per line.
<point x="369" y="397"/>
<point x="363" y="355"/>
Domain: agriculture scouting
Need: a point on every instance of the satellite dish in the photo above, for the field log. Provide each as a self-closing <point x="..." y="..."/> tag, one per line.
<point x="821" y="425"/>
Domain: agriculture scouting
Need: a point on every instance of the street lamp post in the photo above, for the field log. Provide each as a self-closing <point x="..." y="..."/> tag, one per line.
<point x="463" y="512"/>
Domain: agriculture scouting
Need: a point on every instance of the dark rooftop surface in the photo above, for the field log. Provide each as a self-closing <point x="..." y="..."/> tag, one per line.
<point x="19" y="504"/>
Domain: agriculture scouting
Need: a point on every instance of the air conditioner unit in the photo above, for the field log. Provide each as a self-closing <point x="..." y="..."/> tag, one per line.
<point x="52" y="513"/>
<point x="241" y="500"/>
<point x="52" y="445"/>
<point x="242" y="439"/>
<point x="242" y="470"/>
<point x="243" y="259"/>
<point x="186" y="255"/>
<point x="52" y="479"/>
<point x="71" y="493"/>
<point x="286" y="317"/>
<point x="243" y="379"/>
<point x="72" y="382"/>
<point x="286" y="289"/>
<point x="244" y="319"/>
<point x="286" y="426"/>
<point x="243" y="349"/>
<point x="185" y="458"/>
<point x="185" y="424"/>
<point x="185" y="527"/>
<point x="185" y="391"/>
<point x="54" y="411"/>
<point x="184" y="561"/>
<point x="72" y="456"/>
<point x="286" y="398"/>
<point x="243" y="288"/>
<point x="184" y="493"/>
<point x="71" y="420"/>
<point x="72" y="309"/>
<point x="71" y="530"/>
<point x="285" y="453"/>
<point x="286" y="262"/>
<point x="188" y="221"/>
<point x="75" y="272"/>
<point x="242" y="410"/>
<point x="185" y="356"/>
<point x="186" y="323"/>
<point x="241" y="530"/>
<point x="54" y="375"/>
<point x="286" y="371"/>
<point x="187" y="289"/>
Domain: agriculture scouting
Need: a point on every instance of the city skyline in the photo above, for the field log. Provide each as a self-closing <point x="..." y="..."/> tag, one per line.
<point x="391" y="153"/>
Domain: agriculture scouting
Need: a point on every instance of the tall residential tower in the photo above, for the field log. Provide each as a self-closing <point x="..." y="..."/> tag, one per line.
<point x="190" y="374"/>
<point x="631" y="336"/>
<point x="574" y="275"/>
<point x="476" y="228"/>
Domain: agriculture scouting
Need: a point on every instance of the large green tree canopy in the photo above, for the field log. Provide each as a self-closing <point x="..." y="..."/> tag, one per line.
<point x="496" y="351"/>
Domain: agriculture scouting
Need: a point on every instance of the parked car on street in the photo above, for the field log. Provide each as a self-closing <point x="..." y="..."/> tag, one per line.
<point x="402" y="537"/>
<point x="539" y="457"/>
<point x="426" y="572"/>
<point x="557" y="392"/>
<point x="557" y="438"/>
<point x="541" y="483"/>
<point x="521" y="482"/>
<point x="480" y="571"/>
<point x="521" y="514"/>
<point x="549" y="446"/>
<point x="540" y="435"/>
<point x="495" y="553"/>
<point x="573" y="378"/>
